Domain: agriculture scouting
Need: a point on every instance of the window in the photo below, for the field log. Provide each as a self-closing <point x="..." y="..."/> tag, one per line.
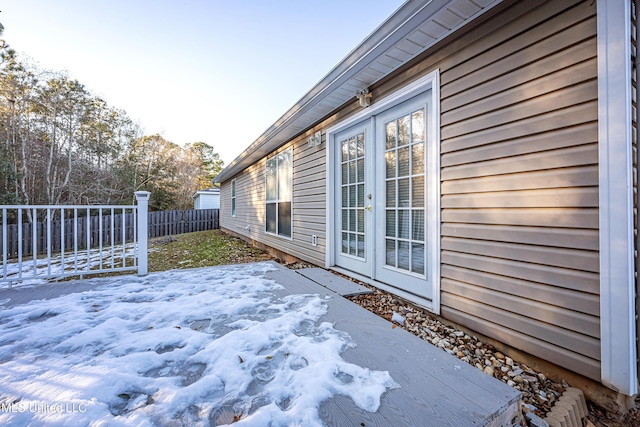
<point x="278" y="193"/>
<point x="233" y="198"/>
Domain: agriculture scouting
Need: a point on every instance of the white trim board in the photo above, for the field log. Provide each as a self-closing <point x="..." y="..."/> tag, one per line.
<point x="431" y="82"/>
<point x="617" y="284"/>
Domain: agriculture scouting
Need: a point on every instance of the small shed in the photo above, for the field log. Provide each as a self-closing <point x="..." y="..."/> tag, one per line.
<point x="209" y="198"/>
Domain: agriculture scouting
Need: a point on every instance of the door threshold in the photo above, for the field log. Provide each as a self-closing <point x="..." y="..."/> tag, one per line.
<point x="420" y="301"/>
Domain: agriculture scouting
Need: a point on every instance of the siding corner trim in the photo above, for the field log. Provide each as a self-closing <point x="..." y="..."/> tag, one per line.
<point x="617" y="289"/>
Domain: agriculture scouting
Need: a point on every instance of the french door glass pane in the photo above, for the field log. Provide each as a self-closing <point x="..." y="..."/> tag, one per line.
<point x="391" y="252"/>
<point x="361" y="245"/>
<point x="417" y="158"/>
<point x="391" y="223"/>
<point x="390" y="157"/>
<point x="417" y="192"/>
<point x="417" y="258"/>
<point x="403" y="131"/>
<point x="417" y="232"/>
<point x="403" y="161"/>
<point x="403" y="223"/>
<point x="391" y="135"/>
<point x="403" y="255"/>
<point x="417" y="126"/>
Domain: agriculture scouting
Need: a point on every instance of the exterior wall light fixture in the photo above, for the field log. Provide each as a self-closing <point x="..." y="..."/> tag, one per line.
<point x="315" y="139"/>
<point x="364" y="97"/>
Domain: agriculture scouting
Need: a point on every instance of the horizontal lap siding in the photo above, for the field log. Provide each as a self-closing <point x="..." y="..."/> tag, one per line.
<point x="519" y="187"/>
<point x="308" y="205"/>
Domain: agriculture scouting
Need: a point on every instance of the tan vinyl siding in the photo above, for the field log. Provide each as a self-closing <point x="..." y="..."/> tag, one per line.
<point x="308" y="204"/>
<point x="520" y="185"/>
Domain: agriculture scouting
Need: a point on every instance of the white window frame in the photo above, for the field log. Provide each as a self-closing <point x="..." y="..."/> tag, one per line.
<point x="617" y="269"/>
<point x="278" y="200"/>
<point x="233" y="198"/>
<point x="431" y="82"/>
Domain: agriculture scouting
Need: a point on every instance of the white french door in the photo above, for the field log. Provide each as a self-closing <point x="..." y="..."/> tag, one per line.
<point x="401" y="206"/>
<point x="384" y="175"/>
<point x="353" y="193"/>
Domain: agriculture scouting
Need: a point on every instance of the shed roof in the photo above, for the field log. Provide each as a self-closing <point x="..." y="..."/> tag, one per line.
<point x="207" y="191"/>
<point x="415" y="27"/>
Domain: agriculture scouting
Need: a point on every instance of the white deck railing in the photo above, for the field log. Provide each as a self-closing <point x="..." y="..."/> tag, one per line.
<point x="53" y="242"/>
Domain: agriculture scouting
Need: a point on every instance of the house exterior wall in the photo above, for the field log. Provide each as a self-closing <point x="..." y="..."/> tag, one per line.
<point x="519" y="181"/>
<point x="308" y="204"/>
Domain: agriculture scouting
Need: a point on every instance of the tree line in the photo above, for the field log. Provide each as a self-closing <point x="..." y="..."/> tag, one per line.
<point x="61" y="144"/>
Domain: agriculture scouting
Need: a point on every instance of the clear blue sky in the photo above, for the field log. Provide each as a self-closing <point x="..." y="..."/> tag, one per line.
<point x="218" y="71"/>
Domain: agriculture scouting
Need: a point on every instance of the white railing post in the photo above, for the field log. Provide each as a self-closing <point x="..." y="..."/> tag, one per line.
<point x="143" y="231"/>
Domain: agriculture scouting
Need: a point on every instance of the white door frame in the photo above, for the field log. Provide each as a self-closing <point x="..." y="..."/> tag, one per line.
<point x="429" y="82"/>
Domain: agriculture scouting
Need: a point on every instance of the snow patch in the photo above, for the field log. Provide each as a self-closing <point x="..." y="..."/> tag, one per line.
<point x="196" y="347"/>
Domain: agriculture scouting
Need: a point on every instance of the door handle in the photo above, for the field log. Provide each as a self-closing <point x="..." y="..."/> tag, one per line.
<point x="369" y="208"/>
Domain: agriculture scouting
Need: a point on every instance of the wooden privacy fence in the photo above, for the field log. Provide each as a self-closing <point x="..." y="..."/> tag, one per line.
<point x="90" y="228"/>
<point x="167" y="223"/>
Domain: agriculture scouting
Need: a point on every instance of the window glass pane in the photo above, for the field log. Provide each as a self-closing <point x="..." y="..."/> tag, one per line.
<point x="345" y="196"/>
<point x="391" y="223"/>
<point x="233" y="206"/>
<point x="360" y="168"/>
<point x="284" y="176"/>
<point x="403" y="131"/>
<point x="352" y="220"/>
<point x="284" y="219"/>
<point x="345" y="243"/>
<point x="417" y="159"/>
<point x="391" y="194"/>
<point x="403" y="161"/>
<point x="417" y="226"/>
<point x="390" y="157"/>
<point x="271" y="178"/>
<point x="233" y="188"/>
<point x="403" y="193"/>
<point x="417" y="258"/>
<point x="271" y="217"/>
<point x="352" y="243"/>
<point x="391" y="135"/>
<point x="352" y="148"/>
<point x="352" y="172"/>
<point x="345" y="173"/>
<point x="361" y="195"/>
<point x="352" y="196"/>
<point x="360" y="152"/>
<point x="360" y="220"/>
<point x="390" y="257"/>
<point x="403" y="223"/>
<point x="417" y="191"/>
<point x="403" y="255"/>
<point x="345" y="219"/>
<point x="345" y="150"/>
<point x="361" y="245"/>
<point x="417" y="126"/>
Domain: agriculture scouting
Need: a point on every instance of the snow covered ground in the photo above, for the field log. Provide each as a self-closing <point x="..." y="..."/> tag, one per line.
<point x="183" y="347"/>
